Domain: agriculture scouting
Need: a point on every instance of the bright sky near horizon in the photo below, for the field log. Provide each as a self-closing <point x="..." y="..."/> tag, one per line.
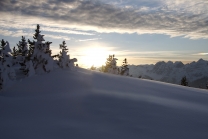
<point x="143" y="31"/>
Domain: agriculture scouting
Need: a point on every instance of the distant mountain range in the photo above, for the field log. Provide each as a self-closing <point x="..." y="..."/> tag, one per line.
<point x="195" y="72"/>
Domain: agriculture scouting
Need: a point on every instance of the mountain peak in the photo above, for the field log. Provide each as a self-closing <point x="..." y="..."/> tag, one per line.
<point x="201" y="60"/>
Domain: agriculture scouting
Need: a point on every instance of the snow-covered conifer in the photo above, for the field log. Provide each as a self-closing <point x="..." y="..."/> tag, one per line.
<point x="64" y="60"/>
<point x="22" y="47"/>
<point x="7" y="72"/>
<point x="124" y="68"/>
<point x="108" y="63"/>
<point x="40" y="53"/>
<point x="20" y="55"/>
<point x="111" y="65"/>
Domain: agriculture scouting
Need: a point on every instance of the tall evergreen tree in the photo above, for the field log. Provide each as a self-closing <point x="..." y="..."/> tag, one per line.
<point x="14" y="53"/>
<point x="23" y="56"/>
<point x="124" y="68"/>
<point x="7" y="72"/>
<point x="22" y="47"/>
<point x="37" y="32"/>
<point x="184" y="81"/>
<point x="40" y="53"/>
<point x="111" y="65"/>
<point x="108" y="63"/>
<point x="63" y="47"/>
<point x="63" y="60"/>
<point x="3" y="44"/>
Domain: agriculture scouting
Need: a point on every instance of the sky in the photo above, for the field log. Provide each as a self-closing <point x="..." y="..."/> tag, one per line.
<point x="143" y="31"/>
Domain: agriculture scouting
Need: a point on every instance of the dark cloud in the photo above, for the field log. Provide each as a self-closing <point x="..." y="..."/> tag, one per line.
<point x="98" y="14"/>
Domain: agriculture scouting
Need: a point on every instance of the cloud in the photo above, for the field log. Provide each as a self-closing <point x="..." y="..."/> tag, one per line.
<point x="151" y="54"/>
<point x="175" y="18"/>
<point x="17" y="33"/>
<point x="93" y="39"/>
<point x="63" y="30"/>
<point x="201" y="54"/>
<point x="58" y="37"/>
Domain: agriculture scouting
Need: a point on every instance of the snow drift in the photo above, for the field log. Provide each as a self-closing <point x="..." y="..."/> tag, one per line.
<point x="83" y="104"/>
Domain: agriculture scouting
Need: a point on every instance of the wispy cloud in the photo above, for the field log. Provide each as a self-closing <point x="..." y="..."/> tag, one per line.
<point x="93" y="39"/>
<point x="58" y="37"/>
<point x="186" y="18"/>
<point x="66" y="31"/>
<point x="201" y="54"/>
<point x="150" y="53"/>
<point x="17" y="33"/>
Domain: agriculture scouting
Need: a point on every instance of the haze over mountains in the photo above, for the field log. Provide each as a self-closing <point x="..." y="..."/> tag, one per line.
<point x="195" y="72"/>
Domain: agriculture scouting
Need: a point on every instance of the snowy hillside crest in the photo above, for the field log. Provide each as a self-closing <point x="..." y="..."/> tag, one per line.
<point x="26" y="61"/>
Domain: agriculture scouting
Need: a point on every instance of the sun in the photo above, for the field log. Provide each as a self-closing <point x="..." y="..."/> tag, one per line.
<point x="94" y="56"/>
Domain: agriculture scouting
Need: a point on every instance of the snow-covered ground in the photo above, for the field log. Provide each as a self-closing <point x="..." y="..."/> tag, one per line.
<point x="83" y="104"/>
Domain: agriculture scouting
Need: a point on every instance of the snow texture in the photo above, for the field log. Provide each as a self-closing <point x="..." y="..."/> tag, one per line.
<point x="85" y="104"/>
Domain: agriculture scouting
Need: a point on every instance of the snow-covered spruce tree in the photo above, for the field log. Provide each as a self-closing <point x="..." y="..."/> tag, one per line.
<point x="124" y="68"/>
<point x="22" y="47"/>
<point x="21" y="55"/>
<point x="64" y="59"/>
<point x="184" y="81"/>
<point x="49" y="59"/>
<point x="7" y="72"/>
<point x="108" y="63"/>
<point x="40" y="54"/>
<point x="114" y="68"/>
<point x="111" y="65"/>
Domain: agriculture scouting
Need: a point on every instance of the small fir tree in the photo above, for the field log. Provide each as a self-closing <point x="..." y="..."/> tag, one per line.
<point x="21" y="55"/>
<point x="93" y="68"/>
<point x="108" y="63"/>
<point x="64" y="60"/>
<point x="14" y="53"/>
<point x="37" y="32"/>
<point x="3" y="44"/>
<point x="111" y="65"/>
<point x="22" y="47"/>
<point x="124" y="68"/>
<point x="63" y="47"/>
<point x="7" y="72"/>
<point x="184" y="81"/>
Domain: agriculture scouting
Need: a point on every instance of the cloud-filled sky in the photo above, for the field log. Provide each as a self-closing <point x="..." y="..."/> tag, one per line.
<point x="143" y="31"/>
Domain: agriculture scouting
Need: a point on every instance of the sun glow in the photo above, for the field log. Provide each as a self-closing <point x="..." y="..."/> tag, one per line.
<point x="94" y="56"/>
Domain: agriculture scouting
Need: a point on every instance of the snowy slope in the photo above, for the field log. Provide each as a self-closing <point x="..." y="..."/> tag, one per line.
<point x="83" y="104"/>
<point x="196" y="72"/>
